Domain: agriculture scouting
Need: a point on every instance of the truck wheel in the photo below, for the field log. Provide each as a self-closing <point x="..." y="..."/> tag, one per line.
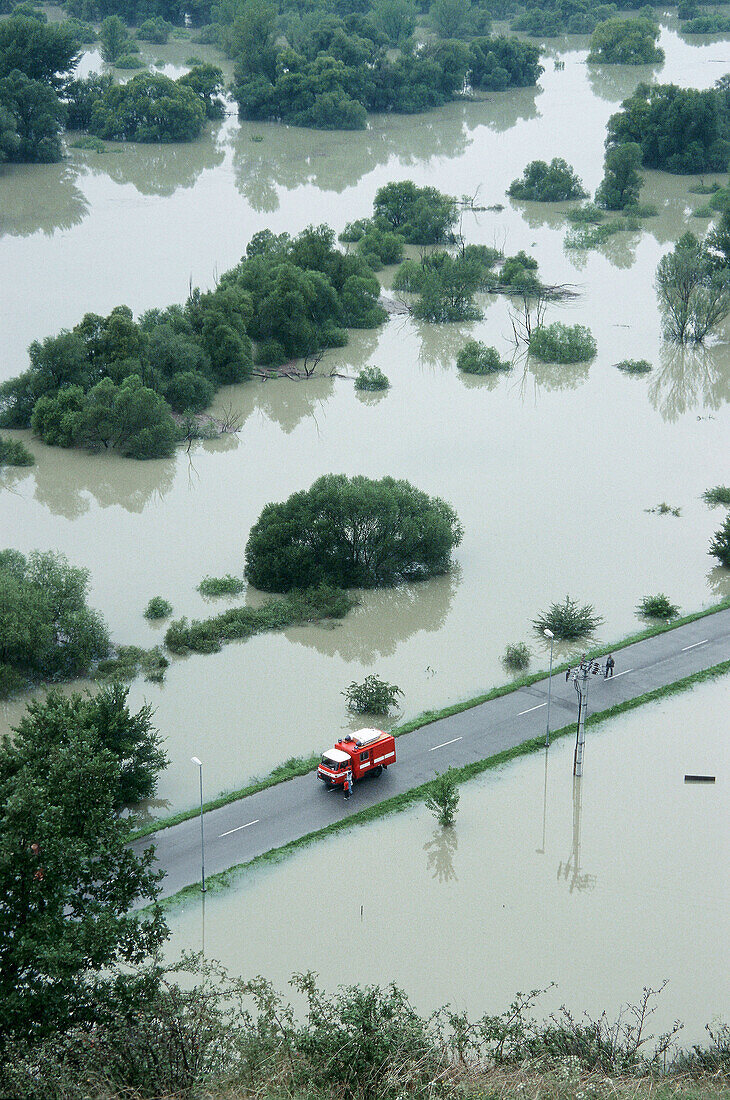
<point x="378" y="771"/>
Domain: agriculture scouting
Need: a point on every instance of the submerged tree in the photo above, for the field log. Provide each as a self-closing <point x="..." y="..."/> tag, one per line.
<point x="443" y="801"/>
<point x="621" y="180"/>
<point x="694" y="295"/>
<point x="568" y="620"/>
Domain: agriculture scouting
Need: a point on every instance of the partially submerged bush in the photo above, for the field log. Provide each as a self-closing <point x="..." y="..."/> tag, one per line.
<point x="634" y="366"/>
<point x="516" y="657"/>
<point x="719" y="495"/>
<point x="542" y="182"/>
<point x="664" y="509"/>
<point x="13" y="452"/>
<point x="568" y="620"/>
<point x="372" y="696"/>
<point x="131" y="661"/>
<point x="588" y="214"/>
<point x="158" y="608"/>
<point x="221" y="586"/>
<point x="476" y="358"/>
<point x="720" y="544"/>
<point x="559" y="343"/>
<point x="657" y="607"/>
<point x="371" y="378"/>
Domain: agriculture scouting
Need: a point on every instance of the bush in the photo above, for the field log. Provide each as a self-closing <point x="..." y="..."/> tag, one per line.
<point x="158" y="608"/>
<point x="588" y="214"/>
<point x="542" y="182"/>
<point x="516" y="657"/>
<point x="621" y="183"/>
<point x="558" y="343"/>
<point x="568" y="620"/>
<point x="371" y="378"/>
<point x="221" y="586"/>
<point x="626" y="42"/>
<point x="129" y="61"/>
<point x="189" y="391"/>
<point x="634" y="366"/>
<point x="476" y="358"/>
<point x="694" y="295"/>
<point x="154" y="30"/>
<point x="351" y="532"/>
<point x="719" y="495"/>
<point x="657" y="607"/>
<point x="444" y="798"/>
<point x="372" y="696"/>
<point x="720" y="544"/>
<point x="13" y="452"/>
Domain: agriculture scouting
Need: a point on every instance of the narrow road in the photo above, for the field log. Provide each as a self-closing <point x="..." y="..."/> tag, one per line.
<point x="242" y="830"/>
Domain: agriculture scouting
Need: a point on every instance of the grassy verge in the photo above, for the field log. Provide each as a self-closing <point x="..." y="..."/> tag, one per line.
<point x="297" y="766"/>
<point x="417" y="794"/>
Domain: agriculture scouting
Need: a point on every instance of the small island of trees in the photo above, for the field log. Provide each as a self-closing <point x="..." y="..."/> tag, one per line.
<point x="625" y="42"/>
<point x="351" y="532"/>
<point x="542" y="182"/>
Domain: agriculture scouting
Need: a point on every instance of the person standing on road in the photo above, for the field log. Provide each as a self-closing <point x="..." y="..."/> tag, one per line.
<point x="348" y="783"/>
<point x="609" y="666"/>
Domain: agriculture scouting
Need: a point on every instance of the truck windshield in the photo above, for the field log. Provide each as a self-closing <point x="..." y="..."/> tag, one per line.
<point x="333" y="765"/>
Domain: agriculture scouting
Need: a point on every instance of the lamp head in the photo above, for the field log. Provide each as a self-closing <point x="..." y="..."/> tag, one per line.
<point x="194" y="760"/>
<point x="548" y="633"/>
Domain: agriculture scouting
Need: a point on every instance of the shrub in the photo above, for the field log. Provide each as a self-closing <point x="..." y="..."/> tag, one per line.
<point x="158" y="608"/>
<point x="664" y="509"/>
<point x="558" y="343"/>
<point x="372" y="696"/>
<point x="720" y="544"/>
<point x="657" y="607"/>
<point x="444" y="798"/>
<point x="541" y="182"/>
<point x="189" y="391"/>
<point x="351" y="532"/>
<point x="221" y="586"/>
<point x="568" y="620"/>
<point x="634" y="366"/>
<point x="626" y="42"/>
<point x="13" y="452"/>
<point x="87" y="142"/>
<point x="694" y="295"/>
<point x="589" y="214"/>
<point x="371" y="378"/>
<point x="516" y="657"/>
<point x="476" y="358"/>
<point x="719" y="495"/>
<point x="129" y="61"/>
<point x="154" y="30"/>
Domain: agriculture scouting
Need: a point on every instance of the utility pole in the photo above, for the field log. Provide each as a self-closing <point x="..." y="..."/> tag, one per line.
<point x="580" y="682"/>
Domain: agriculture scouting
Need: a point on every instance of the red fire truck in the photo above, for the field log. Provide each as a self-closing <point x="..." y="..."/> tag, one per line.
<point x="366" y="752"/>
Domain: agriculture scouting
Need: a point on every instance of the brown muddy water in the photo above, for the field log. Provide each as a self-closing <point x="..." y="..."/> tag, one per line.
<point x="602" y="888"/>
<point x="550" y="468"/>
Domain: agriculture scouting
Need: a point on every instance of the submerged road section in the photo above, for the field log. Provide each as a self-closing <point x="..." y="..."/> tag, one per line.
<point x="251" y="826"/>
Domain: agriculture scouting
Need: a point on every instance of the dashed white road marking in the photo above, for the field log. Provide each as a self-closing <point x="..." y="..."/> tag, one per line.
<point x="685" y="648"/>
<point x="444" y="744"/>
<point x="530" y="710"/>
<point x="238" y="828"/>
<point x="624" y="673"/>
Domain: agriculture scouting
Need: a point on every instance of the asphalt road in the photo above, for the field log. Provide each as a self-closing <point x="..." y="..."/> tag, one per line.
<point x="251" y="826"/>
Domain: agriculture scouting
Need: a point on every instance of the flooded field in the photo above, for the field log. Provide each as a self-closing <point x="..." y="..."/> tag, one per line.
<point x="601" y="888"/>
<point x="550" y="469"/>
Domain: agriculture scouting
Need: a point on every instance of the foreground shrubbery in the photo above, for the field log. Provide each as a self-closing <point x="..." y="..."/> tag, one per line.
<point x="568" y="620"/>
<point x="558" y="343"/>
<point x="657" y="607"/>
<point x="372" y="696"/>
<point x="47" y="630"/>
<point x="13" y="452"/>
<point x="351" y="532"/>
<point x="371" y="379"/>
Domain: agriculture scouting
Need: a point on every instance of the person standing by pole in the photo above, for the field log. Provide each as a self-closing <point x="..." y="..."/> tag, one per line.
<point x="609" y="666"/>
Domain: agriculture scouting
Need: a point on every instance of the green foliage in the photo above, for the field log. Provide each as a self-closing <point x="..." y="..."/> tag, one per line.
<point x="47" y="631"/>
<point x="626" y="42"/>
<point x="81" y="96"/>
<point x="372" y="696"/>
<point x="707" y="24"/>
<point x="693" y="292"/>
<point x="621" y="182"/>
<point x="238" y="623"/>
<point x="720" y="494"/>
<point x="42" y="52"/>
<point x="420" y="215"/>
<point x="634" y="366"/>
<point x="83" y="32"/>
<point x="517" y="657"/>
<point x="158" y="608"/>
<point x="584" y="237"/>
<point x="129" y="661"/>
<point x="189" y="391"/>
<point x="446" y="284"/>
<point x="129" y="61"/>
<point x="553" y="182"/>
<point x="559" y="343"/>
<point x="657" y="607"/>
<point x="351" y="532"/>
<point x="221" y="586"/>
<point x="207" y="83"/>
<point x="13" y="452"/>
<point x="154" y="30"/>
<point x="114" y="38"/>
<point x="476" y="358"/>
<point x="31" y="117"/>
<point x="720" y="544"/>
<point x="89" y="144"/>
<point x="443" y="800"/>
<point x="588" y="214"/>
<point x="664" y="509"/>
<point x="568" y="620"/>
<point x="519" y="274"/>
<point x="498" y="63"/>
<point x="149" y="107"/>
<point x="68" y="881"/>
<point x="677" y="129"/>
<point x="371" y="378"/>
<point x="396" y="19"/>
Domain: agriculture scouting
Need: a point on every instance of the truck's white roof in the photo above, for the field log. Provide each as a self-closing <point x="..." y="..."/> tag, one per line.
<point x="337" y="755"/>
<point x="366" y="736"/>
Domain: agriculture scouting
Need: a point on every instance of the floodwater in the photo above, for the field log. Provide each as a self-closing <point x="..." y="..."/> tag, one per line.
<point x="550" y="468"/>
<point x="601" y="885"/>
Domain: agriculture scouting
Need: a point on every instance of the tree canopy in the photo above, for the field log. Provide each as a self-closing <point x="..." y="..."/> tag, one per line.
<point x="626" y="42"/>
<point x="149" y="107"/>
<point x="542" y="182"/>
<point x="351" y="532"/>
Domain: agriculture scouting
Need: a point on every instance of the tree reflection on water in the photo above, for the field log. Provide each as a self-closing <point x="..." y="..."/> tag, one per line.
<point x="440" y="851"/>
<point x="687" y="378"/>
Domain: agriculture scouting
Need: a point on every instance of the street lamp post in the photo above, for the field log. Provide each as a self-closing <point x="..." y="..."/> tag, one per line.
<point x="549" y="634"/>
<point x="199" y="763"/>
